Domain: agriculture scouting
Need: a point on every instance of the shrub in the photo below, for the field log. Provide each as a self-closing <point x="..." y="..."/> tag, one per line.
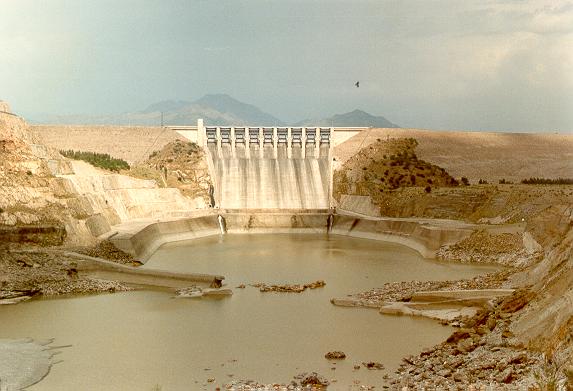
<point x="101" y="160"/>
<point x="484" y="182"/>
<point x="546" y="181"/>
<point x="427" y="189"/>
<point x="465" y="181"/>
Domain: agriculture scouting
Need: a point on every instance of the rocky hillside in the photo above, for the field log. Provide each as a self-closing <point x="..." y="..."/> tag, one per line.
<point x="387" y="165"/>
<point x="41" y="191"/>
<point x="26" y="168"/>
<point x="180" y="165"/>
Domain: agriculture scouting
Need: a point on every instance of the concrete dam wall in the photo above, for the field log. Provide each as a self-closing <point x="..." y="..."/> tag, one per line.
<point x="270" y="168"/>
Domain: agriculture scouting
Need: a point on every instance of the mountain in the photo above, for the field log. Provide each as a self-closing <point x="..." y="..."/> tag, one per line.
<point x="354" y="118"/>
<point x="214" y="109"/>
<point x="225" y="104"/>
<point x="166" y="105"/>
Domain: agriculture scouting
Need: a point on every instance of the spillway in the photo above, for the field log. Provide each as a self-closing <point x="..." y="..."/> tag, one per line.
<point x="274" y="170"/>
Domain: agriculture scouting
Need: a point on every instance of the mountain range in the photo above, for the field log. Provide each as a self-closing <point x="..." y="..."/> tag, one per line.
<point x="214" y="109"/>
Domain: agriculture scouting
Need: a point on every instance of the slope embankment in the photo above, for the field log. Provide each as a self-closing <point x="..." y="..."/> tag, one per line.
<point x="130" y="143"/>
<point x="479" y="155"/>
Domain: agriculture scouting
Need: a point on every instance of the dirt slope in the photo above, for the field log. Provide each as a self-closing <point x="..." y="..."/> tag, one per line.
<point x="130" y="143"/>
<point x="486" y="155"/>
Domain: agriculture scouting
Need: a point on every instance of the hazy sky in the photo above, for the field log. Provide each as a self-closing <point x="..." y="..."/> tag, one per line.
<point x="440" y="64"/>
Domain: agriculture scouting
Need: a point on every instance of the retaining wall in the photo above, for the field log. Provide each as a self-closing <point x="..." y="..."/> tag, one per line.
<point x="422" y="236"/>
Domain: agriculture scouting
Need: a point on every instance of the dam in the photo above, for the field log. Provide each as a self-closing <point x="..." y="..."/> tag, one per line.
<point x="269" y="167"/>
<point x="272" y="221"/>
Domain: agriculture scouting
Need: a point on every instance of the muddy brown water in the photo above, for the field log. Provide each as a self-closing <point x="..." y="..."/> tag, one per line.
<point x="137" y="340"/>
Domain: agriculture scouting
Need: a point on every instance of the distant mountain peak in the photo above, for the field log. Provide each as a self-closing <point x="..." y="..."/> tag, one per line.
<point x="356" y="117"/>
<point x="250" y="114"/>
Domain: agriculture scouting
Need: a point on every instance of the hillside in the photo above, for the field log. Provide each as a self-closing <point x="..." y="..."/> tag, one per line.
<point x="388" y="165"/>
<point x="180" y="165"/>
<point x="480" y="155"/>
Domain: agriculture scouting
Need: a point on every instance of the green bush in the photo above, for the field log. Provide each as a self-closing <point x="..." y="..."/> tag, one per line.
<point x="101" y="160"/>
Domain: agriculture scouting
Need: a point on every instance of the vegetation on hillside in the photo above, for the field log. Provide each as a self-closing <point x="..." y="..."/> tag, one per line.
<point x="389" y="165"/>
<point x="101" y="160"/>
<point x="546" y="181"/>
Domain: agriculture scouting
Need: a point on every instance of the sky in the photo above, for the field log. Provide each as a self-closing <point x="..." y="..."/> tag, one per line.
<point x="434" y="64"/>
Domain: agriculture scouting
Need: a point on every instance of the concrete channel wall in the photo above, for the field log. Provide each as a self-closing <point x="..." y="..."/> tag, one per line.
<point x="422" y="236"/>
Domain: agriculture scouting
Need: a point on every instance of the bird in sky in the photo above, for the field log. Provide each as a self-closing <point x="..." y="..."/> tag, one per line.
<point x="357" y="84"/>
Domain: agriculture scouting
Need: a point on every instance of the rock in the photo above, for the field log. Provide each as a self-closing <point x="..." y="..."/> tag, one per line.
<point x="335" y="355"/>
<point x="296" y="288"/>
<point x="459" y="335"/>
<point x="312" y="379"/>
<point x="216" y="283"/>
<point x="466" y="345"/>
<point x="506" y="376"/>
<point x="316" y="284"/>
<point x="373" y="365"/>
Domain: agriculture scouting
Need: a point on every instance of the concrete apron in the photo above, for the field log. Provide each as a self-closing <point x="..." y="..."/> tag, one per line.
<point x="423" y="235"/>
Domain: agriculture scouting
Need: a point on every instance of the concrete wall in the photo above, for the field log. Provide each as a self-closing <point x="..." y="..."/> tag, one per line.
<point x="422" y="236"/>
<point x="425" y="238"/>
<point x="270" y="179"/>
<point x="358" y="204"/>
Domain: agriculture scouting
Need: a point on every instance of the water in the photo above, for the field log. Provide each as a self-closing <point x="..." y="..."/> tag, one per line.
<point x="266" y="178"/>
<point x="135" y="340"/>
